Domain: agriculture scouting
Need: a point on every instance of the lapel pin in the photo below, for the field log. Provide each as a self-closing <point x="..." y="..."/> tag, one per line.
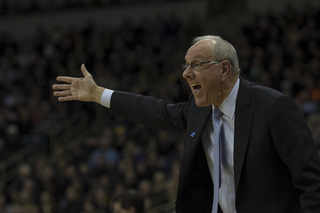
<point x="193" y="134"/>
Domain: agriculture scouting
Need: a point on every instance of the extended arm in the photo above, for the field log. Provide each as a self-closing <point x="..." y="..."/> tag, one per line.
<point x="151" y="112"/>
<point x="154" y="113"/>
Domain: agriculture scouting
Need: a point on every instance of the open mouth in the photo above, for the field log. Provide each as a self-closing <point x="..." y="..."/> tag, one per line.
<point x="196" y="88"/>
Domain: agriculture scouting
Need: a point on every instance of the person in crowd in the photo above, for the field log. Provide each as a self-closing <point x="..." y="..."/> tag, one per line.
<point x="130" y="201"/>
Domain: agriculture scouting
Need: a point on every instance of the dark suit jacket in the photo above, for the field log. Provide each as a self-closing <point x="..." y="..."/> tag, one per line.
<point x="276" y="163"/>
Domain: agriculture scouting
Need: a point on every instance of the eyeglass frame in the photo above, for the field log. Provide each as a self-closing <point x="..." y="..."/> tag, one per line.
<point x="184" y="66"/>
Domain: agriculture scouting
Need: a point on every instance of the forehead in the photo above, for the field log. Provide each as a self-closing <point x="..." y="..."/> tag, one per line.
<point x="200" y="50"/>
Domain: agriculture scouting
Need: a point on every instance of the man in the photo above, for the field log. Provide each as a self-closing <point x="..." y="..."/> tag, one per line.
<point x="269" y="161"/>
<point x="129" y="202"/>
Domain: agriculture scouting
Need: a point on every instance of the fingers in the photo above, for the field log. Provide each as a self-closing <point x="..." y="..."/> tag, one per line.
<point x="66" y="79"/>
<point x="66" y="98"/>
<point x="61" y="86"/>
<point x="84" y="70"/>
<point x="62" y="93"/>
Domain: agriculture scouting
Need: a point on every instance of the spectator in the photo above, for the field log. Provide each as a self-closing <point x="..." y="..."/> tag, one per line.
<point x="71" y="203"/>
<point x="104" y="153"/>
<point x="129" y="202"/>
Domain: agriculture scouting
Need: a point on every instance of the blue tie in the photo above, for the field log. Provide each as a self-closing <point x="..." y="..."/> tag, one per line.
<point x="217" y="157"/>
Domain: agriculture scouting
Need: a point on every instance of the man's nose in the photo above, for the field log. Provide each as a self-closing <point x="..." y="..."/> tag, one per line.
<point x="188" y="73"/>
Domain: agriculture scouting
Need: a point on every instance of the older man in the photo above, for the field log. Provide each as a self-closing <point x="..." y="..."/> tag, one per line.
<point x="247" y="147"/>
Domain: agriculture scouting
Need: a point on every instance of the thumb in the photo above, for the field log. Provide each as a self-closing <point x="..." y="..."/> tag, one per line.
<point x="84" y="71"/>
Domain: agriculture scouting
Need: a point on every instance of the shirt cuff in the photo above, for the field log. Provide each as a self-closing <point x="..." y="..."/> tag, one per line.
<point x="106" y="98"/>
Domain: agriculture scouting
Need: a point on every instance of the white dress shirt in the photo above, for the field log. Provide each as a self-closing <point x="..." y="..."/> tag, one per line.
<point x="227" y="189"/>
<point x="106" y="98"/>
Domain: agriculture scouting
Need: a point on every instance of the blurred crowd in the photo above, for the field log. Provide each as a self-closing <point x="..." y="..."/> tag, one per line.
<point x="283" y="52"/>
<point x="86" y="174"/>
<point x="31" y="6"/>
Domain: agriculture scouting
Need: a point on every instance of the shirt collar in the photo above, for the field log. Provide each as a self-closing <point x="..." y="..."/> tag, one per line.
<point x="228" y="105"/>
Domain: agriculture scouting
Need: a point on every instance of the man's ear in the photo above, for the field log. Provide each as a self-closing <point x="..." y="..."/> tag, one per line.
<point x="226" y="69"/>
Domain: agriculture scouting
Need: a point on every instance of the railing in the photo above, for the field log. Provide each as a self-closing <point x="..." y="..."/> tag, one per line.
<point x="8" y="167"/>
<point x="163" y="202"/>
<point x="72" y="127"/>
<point x="75" y="126"/>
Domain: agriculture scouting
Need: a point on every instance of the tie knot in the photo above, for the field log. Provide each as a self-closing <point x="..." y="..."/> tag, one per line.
<point x="217" y="113"/>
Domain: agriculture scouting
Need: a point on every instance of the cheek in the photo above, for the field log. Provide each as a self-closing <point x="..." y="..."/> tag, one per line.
<point x="210" y="88"/>
<point x="208" y="84"/>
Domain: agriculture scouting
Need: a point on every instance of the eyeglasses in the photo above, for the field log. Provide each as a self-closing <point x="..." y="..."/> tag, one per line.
<point x="196" y="65"/>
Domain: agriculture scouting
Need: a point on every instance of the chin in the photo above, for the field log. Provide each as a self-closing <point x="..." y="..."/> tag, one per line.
<point x="200" y="103"/>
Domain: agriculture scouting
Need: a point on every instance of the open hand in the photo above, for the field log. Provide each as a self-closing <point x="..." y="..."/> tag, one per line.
<point x="78" y="89"/>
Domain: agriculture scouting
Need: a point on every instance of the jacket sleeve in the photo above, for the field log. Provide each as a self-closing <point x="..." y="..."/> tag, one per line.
<point x="151" y="112"/>
<point x="296" y="148"/>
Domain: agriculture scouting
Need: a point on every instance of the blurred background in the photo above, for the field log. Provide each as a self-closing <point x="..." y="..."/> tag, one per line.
<point x="75" y="157"/>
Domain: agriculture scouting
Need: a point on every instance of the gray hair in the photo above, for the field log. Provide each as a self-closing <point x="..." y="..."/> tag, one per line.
<point x="222" y="50"/>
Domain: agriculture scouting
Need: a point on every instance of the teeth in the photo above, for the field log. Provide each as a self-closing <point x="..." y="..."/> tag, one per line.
<point x="193" y="85"/>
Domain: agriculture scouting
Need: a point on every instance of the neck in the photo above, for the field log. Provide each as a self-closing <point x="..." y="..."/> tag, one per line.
<point x="226" y="89"/>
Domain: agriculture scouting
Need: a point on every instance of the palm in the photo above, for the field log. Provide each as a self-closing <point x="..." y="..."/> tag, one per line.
<point x="80" y="89"/>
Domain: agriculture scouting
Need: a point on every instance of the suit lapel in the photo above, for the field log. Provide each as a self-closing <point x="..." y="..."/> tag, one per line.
<point x="243" y="120"/>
